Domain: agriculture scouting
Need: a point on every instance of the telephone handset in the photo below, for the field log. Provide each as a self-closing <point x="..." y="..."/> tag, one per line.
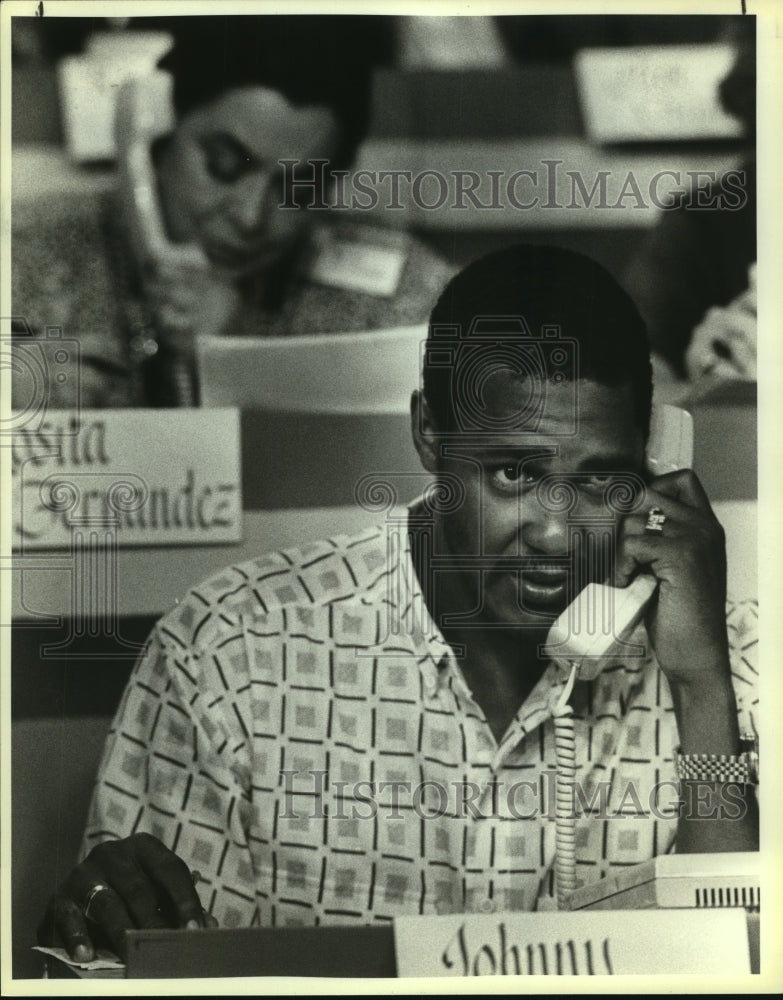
<point x="144" y="113"/>
<point x="598" y="624"/>
<point x="600" y="621"/>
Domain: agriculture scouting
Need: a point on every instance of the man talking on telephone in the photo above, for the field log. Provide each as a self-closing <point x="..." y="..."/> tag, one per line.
<point x="366" y="727"/>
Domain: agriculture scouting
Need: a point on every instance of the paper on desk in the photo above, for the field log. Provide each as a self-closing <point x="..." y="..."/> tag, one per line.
<point x="103" y="960"/>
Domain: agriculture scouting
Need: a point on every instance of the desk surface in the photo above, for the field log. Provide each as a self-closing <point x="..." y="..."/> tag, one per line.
<point x="329" y="952"/>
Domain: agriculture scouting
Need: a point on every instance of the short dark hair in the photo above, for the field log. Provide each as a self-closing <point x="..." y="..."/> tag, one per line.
<point x="549" y="287"/>
<point x="323" y="60"/>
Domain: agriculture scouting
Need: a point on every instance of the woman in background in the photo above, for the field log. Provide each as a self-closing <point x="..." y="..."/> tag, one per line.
<point x="248" y="92"/>
<point x="694" y="277"/>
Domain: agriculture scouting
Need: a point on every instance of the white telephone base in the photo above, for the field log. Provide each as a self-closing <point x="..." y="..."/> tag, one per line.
<point x="676" y="880"/>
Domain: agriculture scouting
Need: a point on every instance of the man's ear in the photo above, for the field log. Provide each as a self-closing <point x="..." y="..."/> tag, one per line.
<point x="424" y="432"/>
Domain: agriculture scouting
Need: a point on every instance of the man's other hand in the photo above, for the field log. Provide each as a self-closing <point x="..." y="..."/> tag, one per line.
<point x="121" y="885"/>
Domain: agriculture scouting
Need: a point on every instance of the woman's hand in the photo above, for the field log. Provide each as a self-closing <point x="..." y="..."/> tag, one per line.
<point x="142" y="885"/>
<point x="724" y="343"/>
<point x="188" y="297"/>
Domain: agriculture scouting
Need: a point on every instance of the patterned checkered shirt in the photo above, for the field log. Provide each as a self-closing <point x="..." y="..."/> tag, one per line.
<point x="299" y="731"/>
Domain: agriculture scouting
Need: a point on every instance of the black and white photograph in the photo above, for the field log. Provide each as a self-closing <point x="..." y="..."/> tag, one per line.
<point x="389" y="550"/>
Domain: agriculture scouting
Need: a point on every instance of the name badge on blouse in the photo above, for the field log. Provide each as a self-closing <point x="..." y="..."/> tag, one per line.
<point x="370" y="266"/>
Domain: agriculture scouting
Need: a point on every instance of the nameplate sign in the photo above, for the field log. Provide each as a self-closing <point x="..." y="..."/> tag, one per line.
<point x="653" y="93"/>
<point x="127" y="477"/>
<point x="603" y="943"/>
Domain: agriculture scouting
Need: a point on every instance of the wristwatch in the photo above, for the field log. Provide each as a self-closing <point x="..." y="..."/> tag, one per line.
<point x="741" y="768"/>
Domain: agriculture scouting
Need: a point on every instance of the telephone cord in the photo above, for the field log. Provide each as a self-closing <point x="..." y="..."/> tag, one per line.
<point x="565" y="815"/>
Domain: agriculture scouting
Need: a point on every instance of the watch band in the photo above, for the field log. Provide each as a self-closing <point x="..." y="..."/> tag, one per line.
<point x="742" y="768"/>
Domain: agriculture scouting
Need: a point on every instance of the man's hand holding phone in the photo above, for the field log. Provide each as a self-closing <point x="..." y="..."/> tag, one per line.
<point x="681" y="543"/>
<point x="121" y="885"/>
<point x="686" y="620"/>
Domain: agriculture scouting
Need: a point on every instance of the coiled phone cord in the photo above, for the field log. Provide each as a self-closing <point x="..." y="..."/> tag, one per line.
<point x="565" y="814"/>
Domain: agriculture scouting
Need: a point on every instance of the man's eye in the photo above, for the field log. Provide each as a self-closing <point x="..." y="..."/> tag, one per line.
<point x="511" y="477"/>
<point x="226" y="161"/>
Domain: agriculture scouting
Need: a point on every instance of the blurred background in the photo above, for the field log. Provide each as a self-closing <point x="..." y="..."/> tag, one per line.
<point x="474" y="93"/>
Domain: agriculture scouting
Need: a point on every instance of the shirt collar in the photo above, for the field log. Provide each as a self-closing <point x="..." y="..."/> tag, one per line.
<point x="411" y="611"/>
<point x="435" y="653"/>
